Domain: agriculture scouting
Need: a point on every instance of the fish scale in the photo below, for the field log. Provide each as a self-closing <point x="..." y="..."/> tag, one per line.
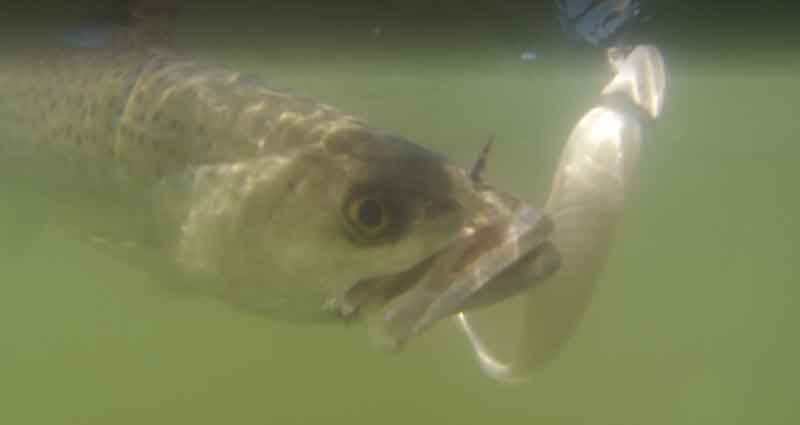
<point x="242" y="118"/>
<point x="117" y="131"/>
<point x="68" y="104"/>
<point x="138" y="112"/>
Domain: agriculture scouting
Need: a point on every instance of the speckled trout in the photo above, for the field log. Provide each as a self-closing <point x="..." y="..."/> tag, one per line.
<point x="277" y="203"/>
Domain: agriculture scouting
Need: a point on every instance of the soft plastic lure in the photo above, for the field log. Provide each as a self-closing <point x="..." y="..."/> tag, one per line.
<point x="596" y="168"/>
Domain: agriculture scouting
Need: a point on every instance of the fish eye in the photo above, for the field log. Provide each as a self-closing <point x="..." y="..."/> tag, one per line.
<point x="369" y="216"/>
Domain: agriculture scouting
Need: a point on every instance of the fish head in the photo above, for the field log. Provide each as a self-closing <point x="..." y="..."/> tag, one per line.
<point x="362" y="223"/>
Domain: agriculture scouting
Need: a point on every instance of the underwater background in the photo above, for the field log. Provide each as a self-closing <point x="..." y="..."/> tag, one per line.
<point x="694" y="321"/>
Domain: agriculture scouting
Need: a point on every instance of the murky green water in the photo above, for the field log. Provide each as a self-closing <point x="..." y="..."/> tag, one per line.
<point x="694" y="321"/>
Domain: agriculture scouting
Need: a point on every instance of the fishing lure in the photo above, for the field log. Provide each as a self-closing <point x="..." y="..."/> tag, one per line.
<point x="596" y="168"/>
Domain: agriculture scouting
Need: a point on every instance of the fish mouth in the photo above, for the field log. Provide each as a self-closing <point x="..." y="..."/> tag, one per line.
<point x="482" y="266"/>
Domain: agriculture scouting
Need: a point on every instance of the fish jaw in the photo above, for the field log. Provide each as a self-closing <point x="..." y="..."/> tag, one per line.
<point x="444" y="292"/>
<point x="498" y="254"/>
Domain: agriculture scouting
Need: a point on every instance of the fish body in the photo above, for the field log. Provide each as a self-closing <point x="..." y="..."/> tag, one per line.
<point x="277" y="203"/>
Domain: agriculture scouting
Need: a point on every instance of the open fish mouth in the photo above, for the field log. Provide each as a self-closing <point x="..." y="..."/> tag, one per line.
<point x="477" y="269"/>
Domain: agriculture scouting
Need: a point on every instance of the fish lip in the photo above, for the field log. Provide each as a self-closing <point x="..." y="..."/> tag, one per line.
<point x="404" y="304"/>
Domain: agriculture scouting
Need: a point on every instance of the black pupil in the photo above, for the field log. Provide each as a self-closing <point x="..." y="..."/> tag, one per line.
<point x="370" y="213"/>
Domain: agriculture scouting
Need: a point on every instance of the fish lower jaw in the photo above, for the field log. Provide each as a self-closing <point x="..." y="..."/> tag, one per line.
<point x="463" y="275"/>
<point x="340" y="307"/>
<point x="375" y="292"/>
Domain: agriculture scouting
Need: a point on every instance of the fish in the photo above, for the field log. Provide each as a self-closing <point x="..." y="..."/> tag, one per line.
<point x="223" y="184"/>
